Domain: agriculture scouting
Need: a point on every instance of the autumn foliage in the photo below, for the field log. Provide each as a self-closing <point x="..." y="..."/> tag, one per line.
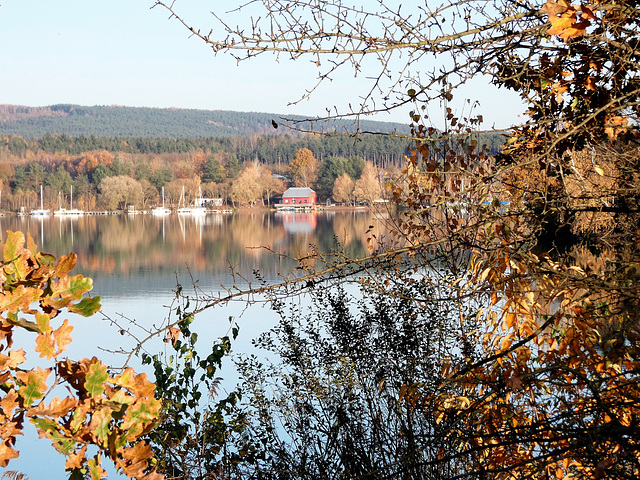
<point x="542" y="242"/>
<point x="97" y="409"/>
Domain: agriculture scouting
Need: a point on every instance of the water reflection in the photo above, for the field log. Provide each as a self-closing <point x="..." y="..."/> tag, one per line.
<point x="135" y="261"/>
<point x="303" y="222"/>
<point x="133" y="251"/>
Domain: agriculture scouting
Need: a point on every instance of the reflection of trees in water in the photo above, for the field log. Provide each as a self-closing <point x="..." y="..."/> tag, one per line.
<point x="119" y="234"/>
<point x="251" y="231"/>
<point x="353" y="232"/>
<point x="124" y="244"/>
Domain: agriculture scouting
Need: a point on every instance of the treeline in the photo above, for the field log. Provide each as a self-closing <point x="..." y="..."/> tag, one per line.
<point x="143" y="166"/>
<point x="272" y="149"/>
<point x="119" y="121"/>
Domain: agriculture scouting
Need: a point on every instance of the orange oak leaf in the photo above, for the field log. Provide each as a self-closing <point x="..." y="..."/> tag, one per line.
<point x="96" y="471"/>
<point x="172" y="335"/>
<point x="76" y="460"/>
<point x="559" y="88"/>
<point x="555" y="8"/>
<point x="57" y="407"/>
<point x="576" y="30"/>
<point x="564" y="20"/>
<point x="62" y="336"/>
<point x="587" y="12"/>
<point x="137" y="384"/>
<point x="7" y="452"/>
<point x="11" y="361"/>
<point x="46" y="346"/>
<point x="135" y="460"/>
<point x="66" y="264"/>
<point x="590" y="83"/>
<point x="8" y="403"/>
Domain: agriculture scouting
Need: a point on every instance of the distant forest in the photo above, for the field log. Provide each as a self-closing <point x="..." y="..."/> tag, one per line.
<point x="74" y="129"/>
<point x="117" y="121"/>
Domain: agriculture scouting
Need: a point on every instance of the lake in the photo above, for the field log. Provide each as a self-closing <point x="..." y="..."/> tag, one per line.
<point x="136" y="262"/>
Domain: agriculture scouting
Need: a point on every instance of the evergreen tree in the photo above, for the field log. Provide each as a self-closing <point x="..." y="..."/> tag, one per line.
<point x="212" y="171"/>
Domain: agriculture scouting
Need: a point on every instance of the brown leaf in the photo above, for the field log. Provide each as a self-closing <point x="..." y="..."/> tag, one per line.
<point x="7" y="452"/>
<point x="62" y="336"/>
<point x="555" y="8"/>
<point x="136" y="459"/>
<point x="614" y="126"/>
<point x="57" y="407"/>
<point x="172" y="335"/>
<point x="514" y="383"/>
<point x="76" y="460"/>
<point x="11" y="362"/>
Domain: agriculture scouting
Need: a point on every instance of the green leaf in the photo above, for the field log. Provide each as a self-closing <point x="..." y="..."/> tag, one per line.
<point x="34" y="384"/>
<point x="79" y="286"/>
<point x="86" y="307"/>
<point x="95" y="379"/>
<point x="13" y="247"/>
<point x="95" y="470"/>
<point x="49" y="428"/>
<point x="101" y="421"/>
<point x="45" y="258"/>
<point x="42" y="319"/>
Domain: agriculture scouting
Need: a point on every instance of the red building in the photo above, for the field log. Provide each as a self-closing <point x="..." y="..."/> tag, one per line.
<point x="299" y="196"/>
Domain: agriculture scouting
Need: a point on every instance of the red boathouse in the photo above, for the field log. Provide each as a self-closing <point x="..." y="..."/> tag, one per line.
<point x="299" y="196"/>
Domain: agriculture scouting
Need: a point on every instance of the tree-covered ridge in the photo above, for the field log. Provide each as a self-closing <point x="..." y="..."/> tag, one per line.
<point x="58" y="161"/>
<point x="269" y="149"/>
<point x="120" y="121"/>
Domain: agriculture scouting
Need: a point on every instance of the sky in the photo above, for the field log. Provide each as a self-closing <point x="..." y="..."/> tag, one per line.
<point x="123" y="52"/>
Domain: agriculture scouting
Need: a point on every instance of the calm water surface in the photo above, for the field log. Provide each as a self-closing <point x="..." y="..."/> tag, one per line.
<point x="136" y="262"/>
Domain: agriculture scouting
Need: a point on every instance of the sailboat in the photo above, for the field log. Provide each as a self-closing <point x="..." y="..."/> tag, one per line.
<point x="41" y="211"/>
<point x="196" y="209"/>
<point x="64" y="211"/>
<point x="198" y="204"/>
<point x="161" y="210"/>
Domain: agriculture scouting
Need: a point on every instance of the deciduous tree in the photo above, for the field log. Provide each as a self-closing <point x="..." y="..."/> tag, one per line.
<point x="247" y="188"/>
<point x="368" y="188"/>
<point x="303" y="168"/>
<point x="343" y="189"/>
<point x="119" y="192"/>
<point x="271" y="186"/>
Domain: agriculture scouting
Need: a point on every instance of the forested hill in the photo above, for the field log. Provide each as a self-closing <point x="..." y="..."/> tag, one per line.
<point x="118" y="121"/>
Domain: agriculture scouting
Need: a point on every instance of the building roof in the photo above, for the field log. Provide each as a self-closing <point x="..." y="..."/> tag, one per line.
<point x="298" y="192"/>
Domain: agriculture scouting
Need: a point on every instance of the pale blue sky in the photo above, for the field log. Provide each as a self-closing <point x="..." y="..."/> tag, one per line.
<point x="104" y="52"/>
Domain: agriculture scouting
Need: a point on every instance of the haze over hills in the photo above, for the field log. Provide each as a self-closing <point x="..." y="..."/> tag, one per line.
<point x="120" y="121"/>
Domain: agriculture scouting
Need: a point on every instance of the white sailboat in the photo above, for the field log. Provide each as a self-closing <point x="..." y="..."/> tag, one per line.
<point x="197" y="208"/>
<point x="198" y="204"/>
<point x="41" y="211"/>
<point x="71" y="211"/>
<point x="182" y="209"/>
<point x="161" y="210"/>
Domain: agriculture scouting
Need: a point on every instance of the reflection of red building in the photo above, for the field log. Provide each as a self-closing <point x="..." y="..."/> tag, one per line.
<point x="299" y="222"/>
<point x="299" y="196"/>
